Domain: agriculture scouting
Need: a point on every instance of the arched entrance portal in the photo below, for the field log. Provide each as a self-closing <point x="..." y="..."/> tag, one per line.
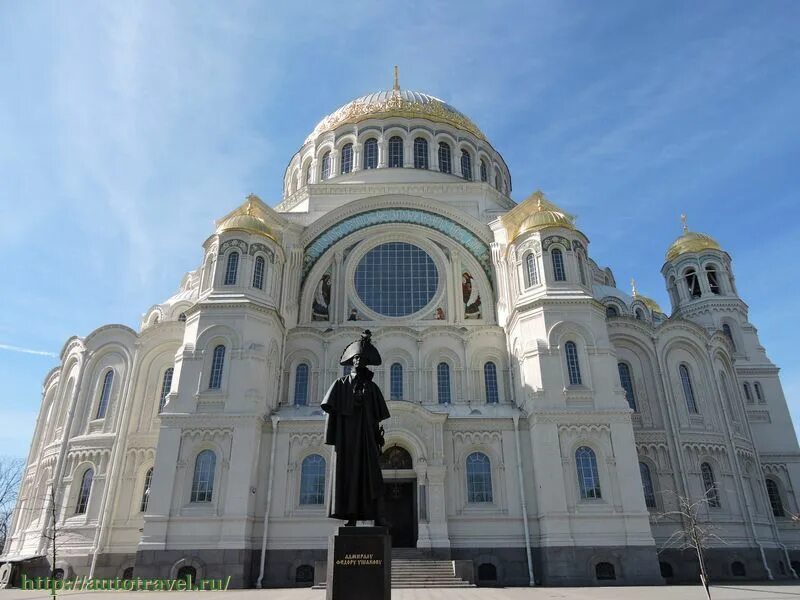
<point x="399" y="496"/>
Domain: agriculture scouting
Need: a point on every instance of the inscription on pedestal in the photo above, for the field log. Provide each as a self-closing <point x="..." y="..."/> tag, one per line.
<point x="359" y="564"/>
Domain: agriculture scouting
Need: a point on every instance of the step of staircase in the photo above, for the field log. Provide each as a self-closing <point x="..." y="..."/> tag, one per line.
<point x="420" y="572"/>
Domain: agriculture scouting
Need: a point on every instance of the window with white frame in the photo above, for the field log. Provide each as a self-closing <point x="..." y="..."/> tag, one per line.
<point x="466" y="165"/>
<point x="490" y="381"/>
<point x="105" y="394"/>
<point x="557" y="257"/>
<point x="148" y="480"/>
<point x="396" y="382"/>
<point x="203" y="479"/>
<point x="445" y="161"/>
<point x="573" y="366"/>
<point x="443" y="382"/>
<point x="588" y="478"/>
<point x="709" y="485"/>
<point x="312" y="480"/>
<point x="347" y="159"/>
<point x="371" y="154"/>
<point x="626" y="381"/>
<point x="531" y="270"/>
<point x="217" y="364"/>
<point x="484" y="171"/>
<point x="688" y="389"/>
<point x="325" y="169"/>
<point x="396" y="151"/>
<point x="84" y="491"/>
<point x="166" y="385"/>
<point x="258" y="273"/>
<point x="301" y="385"/>
<point x="479" y="478"/>
<point x="647" y="486"/>
<point x="420" y="153"/>
<point x="231" y="269"/>
<point x="775" y="501"/>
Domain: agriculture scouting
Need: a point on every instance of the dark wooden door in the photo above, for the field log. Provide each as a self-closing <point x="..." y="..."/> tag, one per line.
<point x="399" y="502"/>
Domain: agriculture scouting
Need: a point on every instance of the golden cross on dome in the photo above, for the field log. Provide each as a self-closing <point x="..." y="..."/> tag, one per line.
<point x="683" y="223"/>
<point x="396" y="87"/>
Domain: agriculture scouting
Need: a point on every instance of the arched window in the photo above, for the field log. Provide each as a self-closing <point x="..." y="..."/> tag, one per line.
<point x="186" y="571"/>
<point x="692" y="283"/>
<point x="726" y="329"/>
<point x="105" y="394"/>
<point x="466" y="165"/>
<point x="182" y="318"/>
<point x="558" y="265"/>
<point x="258" y="273"/>
<point x="738" y="569"/>
<point x="445" y="162"/>
<point x="531" y="270"/>
<point x="759" y="395"/>
<point x="301" y="385"/>
<point x="713" y="281"/>
<point x="490" y="380"/>
<point x="312" y="480"/>
<point x="217" y="363"/>
<point x="443" y="382"/>
<point x="84" y="491"/>
<point x="639" y="314"/>
<point x="673" y="291"/>
<point x="420" y="153"/>
<point x="748" y="396"/>
<point x="371" y="154"/>
<point x="304" y="574"/>
<point x="774" y="494"/>
<point x="497" y="182"/>
<point x="688" y="389"/>
<point x="611" y="311"/>
<point x="148" y="480"/>
<point x="308" y="174"/>
<point x="479" y="478"/>
<point x="203" y="480"/>
<point x="627" y="383"/>
<point x="604" y="571"/>
<point x="647" y="486"/>
<point x="232" y="268"/>
<point x="396" y="151"/>
<point x="581" y="272"/>
<point x="709" y="485"/>
<point x="573" y="366"/>
<point x="347" y="159"/>
<point x="396" y="382"/>
<point x="484" y="172"/>
<point x="588" y="479"/>
<point x="166" y="385"/>
<point x="325" y="169"/>
<point x="666" y="570"/>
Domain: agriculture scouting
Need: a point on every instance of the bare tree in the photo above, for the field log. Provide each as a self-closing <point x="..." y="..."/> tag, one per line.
<point x="694" y="533"/>
<point x="10" y="478"/>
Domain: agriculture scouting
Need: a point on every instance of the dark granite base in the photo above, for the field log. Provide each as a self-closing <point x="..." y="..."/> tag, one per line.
<point x="360" y="564"/>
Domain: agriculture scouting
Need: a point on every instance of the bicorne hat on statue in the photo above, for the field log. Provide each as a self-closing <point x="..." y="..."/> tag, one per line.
<point x="369" y="353"/>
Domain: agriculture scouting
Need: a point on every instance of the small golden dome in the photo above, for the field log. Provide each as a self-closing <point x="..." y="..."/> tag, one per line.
<point x="690" y="241"/>
<point x="651" y="304"/>
<point x="544" y="214"/>
<point x="246" y="221"/>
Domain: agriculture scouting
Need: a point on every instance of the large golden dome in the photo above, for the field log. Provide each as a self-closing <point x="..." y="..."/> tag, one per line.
<point x="534" y="213"/>
<point x="691" y="241"/>
<point x="396" y="103"/>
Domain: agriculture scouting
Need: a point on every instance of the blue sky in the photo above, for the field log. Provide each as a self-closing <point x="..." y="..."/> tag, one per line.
<point x="126" y="128"/>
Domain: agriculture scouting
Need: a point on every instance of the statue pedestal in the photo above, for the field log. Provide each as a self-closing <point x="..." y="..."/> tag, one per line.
<point x="360" y="564"/>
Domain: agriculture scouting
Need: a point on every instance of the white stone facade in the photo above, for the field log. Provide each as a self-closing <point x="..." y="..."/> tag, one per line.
<point x="260" y="420"/>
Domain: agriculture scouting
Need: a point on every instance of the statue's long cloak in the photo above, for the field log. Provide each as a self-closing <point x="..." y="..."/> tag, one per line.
<point x="355" y="407"/>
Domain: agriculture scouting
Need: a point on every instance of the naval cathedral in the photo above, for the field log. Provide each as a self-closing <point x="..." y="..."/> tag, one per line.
<point x="543" y="419"/>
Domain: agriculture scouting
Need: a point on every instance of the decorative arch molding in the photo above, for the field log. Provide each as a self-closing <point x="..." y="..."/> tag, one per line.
<point x="343" y="227"/>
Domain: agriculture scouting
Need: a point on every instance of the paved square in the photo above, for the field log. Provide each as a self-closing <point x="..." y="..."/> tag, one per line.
<point x="724" y="592"/>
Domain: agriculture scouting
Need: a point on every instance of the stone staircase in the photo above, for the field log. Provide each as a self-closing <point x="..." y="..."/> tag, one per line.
<point x="413" y="568"/>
